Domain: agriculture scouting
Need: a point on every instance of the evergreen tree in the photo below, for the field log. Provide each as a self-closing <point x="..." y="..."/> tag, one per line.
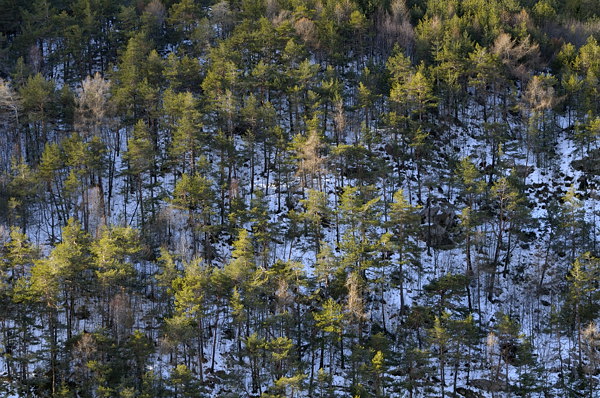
<point x="581" y="295"/>
<point x="404" y="222"/>
<point x="141" y="157"/>
<point x="194" y="193"/>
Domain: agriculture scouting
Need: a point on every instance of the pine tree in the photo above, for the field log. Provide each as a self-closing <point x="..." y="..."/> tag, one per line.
<point x="190" y="303"/>
<point x="509" y="211"/>
<point x="18" y="257"/>
<point x="254" y="347"/>
<point x="316" y="216"/>
<point x="448" y="291"/>
<point x="39" y="98"/>
<point x="263" y="229"/>
<point x="184" y="121"/>
<point x="141" y="158"/>
<point x="133" y="94"/>
<point x="329" y="273"/>
<point x="440" y="337"/>
<point x="183" y="383"/>
<point x="21" y="190"/>
<point x="243" y="263"/>
<point x="472" y="186"/>
<point x="195" y="194"/>
<point x="404" y="222"/>
<point x="113" y="253"/>
<point x="330" y="321"/>
<point x="42" y="290"/>
<point x="71" y="261"/>
<point x="358" y="211"/>
<point x="582" y="293"/>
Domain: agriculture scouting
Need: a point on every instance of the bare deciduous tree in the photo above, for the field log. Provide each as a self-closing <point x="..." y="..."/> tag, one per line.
<point x="10" y="106"/>
<point x="519" y="56"/>
<point x="93" y="106"/>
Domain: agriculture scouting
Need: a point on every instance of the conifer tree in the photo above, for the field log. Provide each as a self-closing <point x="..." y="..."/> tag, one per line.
<point x="184" y="120"/>
<point x="330" y="321"/>
<point x="113" y="252"/>
<point x="71" y="261"/>
<point x="39" y="98"/>
<point x="439" y="339"/>
<point x="141" y="157"/>
<point x="194" y="194"/>
<point x="404" y="222"/>
<point x="18" y="257"/>
<point x="316" y="215"/>
<point x="189" y="291"/>
<point x="581" y="294"/>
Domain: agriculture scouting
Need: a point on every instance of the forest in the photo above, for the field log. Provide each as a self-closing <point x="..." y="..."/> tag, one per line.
<point x="299" y="198"/>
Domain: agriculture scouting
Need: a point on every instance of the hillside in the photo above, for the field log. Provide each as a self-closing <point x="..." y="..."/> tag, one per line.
<point x="299" y="198"/>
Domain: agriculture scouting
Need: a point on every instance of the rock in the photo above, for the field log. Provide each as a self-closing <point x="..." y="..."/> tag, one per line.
<point x="488" y="385"/>
<point x="468" y="393"/>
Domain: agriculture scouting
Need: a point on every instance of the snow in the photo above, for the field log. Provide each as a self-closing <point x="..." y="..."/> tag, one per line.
<point x="544" y="184"/>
